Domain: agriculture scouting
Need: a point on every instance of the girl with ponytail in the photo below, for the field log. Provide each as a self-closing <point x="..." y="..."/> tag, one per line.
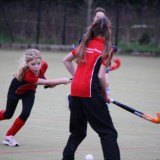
<point x="88" y="95"/>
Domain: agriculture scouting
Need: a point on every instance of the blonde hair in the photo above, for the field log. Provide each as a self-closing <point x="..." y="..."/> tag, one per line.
<point x="100" y="27"/>
<point x="30" y="54"/>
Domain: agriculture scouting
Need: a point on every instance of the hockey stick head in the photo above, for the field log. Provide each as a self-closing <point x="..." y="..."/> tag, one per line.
<point x="158" y="119"/>
<point x="116" y="65"/>
<point x="152" y="119"/>
<point x="138" y="113"/>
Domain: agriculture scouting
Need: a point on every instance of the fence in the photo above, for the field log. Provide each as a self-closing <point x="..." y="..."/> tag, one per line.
<point x="50" y="24"/>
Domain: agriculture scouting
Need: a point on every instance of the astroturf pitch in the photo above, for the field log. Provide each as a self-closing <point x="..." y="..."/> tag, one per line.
<point x="135" y="83"/>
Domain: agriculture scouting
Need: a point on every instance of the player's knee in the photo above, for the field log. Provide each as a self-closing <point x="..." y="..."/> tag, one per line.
<point x="24" y="116"/>
<point x="7" y="116"/>
<point x="80" y="135"/>
<point x="83" y="136"/>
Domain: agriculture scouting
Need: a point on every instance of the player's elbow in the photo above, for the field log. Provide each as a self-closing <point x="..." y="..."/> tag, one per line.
<point x="100" y="76"/>
<point x="65" y="61"/>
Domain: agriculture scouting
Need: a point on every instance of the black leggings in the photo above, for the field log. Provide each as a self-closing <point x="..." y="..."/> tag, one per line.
<point x="95" y="112"/>
<point x="27" y="104"/>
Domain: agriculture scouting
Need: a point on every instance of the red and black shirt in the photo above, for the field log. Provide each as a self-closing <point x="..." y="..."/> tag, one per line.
<point x="86" y="82"/>
<point x="29" y="81"/>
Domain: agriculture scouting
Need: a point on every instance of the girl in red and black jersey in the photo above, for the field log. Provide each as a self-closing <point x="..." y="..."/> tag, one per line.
<point x="88" y="91"/>
<point x="100" y="12"/>
<point x="23" y="86"/>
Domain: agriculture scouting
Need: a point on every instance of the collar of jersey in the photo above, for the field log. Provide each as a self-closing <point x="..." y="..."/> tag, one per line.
<point x="98" y="39"/>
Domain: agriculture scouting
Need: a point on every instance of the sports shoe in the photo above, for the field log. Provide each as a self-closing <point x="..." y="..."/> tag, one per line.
<point x="10" y="141"/>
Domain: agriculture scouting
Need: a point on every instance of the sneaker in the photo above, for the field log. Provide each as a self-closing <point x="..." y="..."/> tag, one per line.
<point x="10" y="141"/>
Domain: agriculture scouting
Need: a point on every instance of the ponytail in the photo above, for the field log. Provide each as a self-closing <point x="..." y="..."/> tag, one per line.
<point x="101" y="27"/>
<point x="81" y="49"/>
<point x="20" y="73"/>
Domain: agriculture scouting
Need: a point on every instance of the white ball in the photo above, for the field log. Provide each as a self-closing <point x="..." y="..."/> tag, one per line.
<point x="89" y="157"/>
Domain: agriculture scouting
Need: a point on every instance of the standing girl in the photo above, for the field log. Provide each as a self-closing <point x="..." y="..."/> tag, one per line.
<point x="88" y="91"/>
<point x="23" y="86"/>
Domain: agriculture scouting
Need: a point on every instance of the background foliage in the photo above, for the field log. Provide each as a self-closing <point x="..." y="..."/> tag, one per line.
<point x="65" y="21"/>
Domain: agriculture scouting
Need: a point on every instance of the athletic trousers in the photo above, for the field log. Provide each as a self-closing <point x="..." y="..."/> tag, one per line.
<point x="94" y="111"/>
<point x="13" y="99"/>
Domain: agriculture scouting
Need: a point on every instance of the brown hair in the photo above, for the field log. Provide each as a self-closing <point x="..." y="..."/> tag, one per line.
<point x="100" y="27"/>
<point x="99" y="9"/>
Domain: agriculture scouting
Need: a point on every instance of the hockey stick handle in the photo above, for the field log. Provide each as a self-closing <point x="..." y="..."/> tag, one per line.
<point x="138" y="113"/>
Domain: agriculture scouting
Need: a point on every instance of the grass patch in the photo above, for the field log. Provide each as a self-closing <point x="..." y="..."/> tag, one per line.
<point x="130" y="47"/>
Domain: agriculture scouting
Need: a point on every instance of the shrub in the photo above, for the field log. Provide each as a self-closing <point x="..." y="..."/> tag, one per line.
<point x="145" y="38"/>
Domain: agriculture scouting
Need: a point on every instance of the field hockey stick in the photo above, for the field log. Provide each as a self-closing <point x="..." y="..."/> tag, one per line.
<point x="115" y="66"/>
<point x="48" y="86"/>
<point x="116" y="60"/>
<point x="138" y="113"/>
